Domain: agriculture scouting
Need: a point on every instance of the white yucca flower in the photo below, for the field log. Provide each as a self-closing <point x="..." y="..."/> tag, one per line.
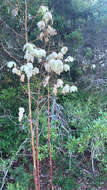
<point x="20" y="117"/>
<point x="14" y="12"/>
<point x="55" y="89"/>
<point x="53" y="55"/>
<point x="14" y="70"/>
<point x="73" y="88"/>
<point x="47" y="67"/>
<point x="51" y="31"/>
<point x="28" y="69"/>
<point x="60" y="55"/>
<point x="11" y="64"/>
<point x="43" y="9"/>
<point x="18" y="72"/>
<point x="56" y="66"/>
<point x="47" y="17"/>
<point x="65" y="89"/>
<point x="41" y="25"/>
<point x="28" y="56"/>
<point x="30" y="65"/>
<point x="64" y="50"/>
<point x="93" y="66"/>
<point x="39" y="53"/>
<point x="35" y="71"/>
<point x="59" y="83"/>
<point x="39" y="60"/>
<point x="45" y="82"/>
<point x="22" y="78"/>
<point x="69" y="59"/>
<point x="21" y="109"/>
<point x="66" y="67"/>
<point x="29" y="46"/>
<point x="22" y="68"/>
<point x="42" y="53"/>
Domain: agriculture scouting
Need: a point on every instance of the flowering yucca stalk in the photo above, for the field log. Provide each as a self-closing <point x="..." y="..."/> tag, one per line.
<point x="51" y="64"/>
<point x="30" y="112"/>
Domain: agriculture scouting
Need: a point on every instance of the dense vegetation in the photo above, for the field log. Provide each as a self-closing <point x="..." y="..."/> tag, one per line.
<point x="78" y="120"/>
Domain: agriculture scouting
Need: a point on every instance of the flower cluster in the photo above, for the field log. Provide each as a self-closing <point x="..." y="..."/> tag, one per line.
<point x="46" y="24"/>
<point x="54" y="62"/>
<point x="58" y="85"/>
<point x="27" y="69"/>
<point x="32" y="51"/>
<point x="67" y="89"/>
<point x="21" y="112"/>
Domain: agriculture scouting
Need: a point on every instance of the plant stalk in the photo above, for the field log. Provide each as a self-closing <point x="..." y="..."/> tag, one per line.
<point x="50" y="157"/>
<point x="30" y="112"/>
<point x="37" y="144"/>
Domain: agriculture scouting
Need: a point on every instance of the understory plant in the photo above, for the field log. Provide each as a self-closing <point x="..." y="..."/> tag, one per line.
<point x="45" y="66"/>
<point x="87" y="123"/>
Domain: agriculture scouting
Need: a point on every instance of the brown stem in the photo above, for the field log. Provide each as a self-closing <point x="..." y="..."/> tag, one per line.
<point x="32" y="135"/>
<point x="26" y="18"/>
<point x="9" y="54"/>
<point x="37" y="145"/>
<point x="51" y="173"/>
<point x="30" y="112"/>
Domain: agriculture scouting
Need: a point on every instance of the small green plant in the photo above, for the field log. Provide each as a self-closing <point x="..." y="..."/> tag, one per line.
<point x="89" y="53"/>
<point x="67" y="183"/>
<point x="16" y="186"/>
<point x="75" y="37"/>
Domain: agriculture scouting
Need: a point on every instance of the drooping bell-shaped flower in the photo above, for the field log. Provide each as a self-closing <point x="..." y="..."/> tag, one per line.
<point x="53" y="55"/>
<point x="28" y="69"/>
<point x="51" y="31"/>
<point x="41" y="25"/>
<point x="45" y="82"/>
<point x="22" y="78"/>
<point x="64" y="50"/>
<point x="29" y="46"/>
<point x="41" y="36"/>
<point x="69" y="59"/>
<point x="73" y="88"/>
<point x="60" y="55"/>
<point x="16" y="71"/>
<point x="28" y="56"/>
<point x="47" y="17"/>
<point x="11" y="64"/>
<point x="47" y="67"/>
<point x="55" y="89"/>
<point x="43" y="9"/>
<point x="66" y="67"/>
<point x="65" y="89"/>
<point x="29" y="65"/>
<point x="59" y="83"/>
<point x="93" y="67"/>
<point x="35" y="71"/>
<point x="21" y="111"/>
<point x="39" y="53"/>
<point x="56" y="66"/>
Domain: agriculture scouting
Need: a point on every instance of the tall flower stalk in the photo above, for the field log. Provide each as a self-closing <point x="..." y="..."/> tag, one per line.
<point x="49" y="139"/>
<point x="53" y="63"/>
<point x="37" y="144"/>
<point x="30" y="110"/>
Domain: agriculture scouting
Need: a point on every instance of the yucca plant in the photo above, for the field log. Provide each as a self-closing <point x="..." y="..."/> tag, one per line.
<point x="49" y="65"/>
